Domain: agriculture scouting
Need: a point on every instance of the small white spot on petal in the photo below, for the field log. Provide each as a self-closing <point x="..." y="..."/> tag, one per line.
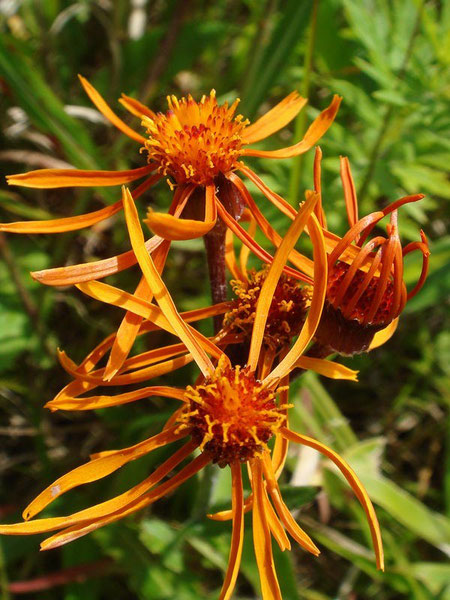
<point x="56" y="489"/>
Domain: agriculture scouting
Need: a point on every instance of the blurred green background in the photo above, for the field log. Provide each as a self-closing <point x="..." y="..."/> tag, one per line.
<point x="390" y="62"/>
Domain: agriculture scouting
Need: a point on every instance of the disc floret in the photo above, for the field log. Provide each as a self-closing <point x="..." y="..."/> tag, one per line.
<point x="231" y="415"/>
<point x="195" y="141"/>
<point x="286" y="314"/>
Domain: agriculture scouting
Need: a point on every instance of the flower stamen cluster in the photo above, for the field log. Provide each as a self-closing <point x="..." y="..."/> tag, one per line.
<point x="195" y="141"/>
<point x="286" y="314"/>
<point x="231" y="415"/>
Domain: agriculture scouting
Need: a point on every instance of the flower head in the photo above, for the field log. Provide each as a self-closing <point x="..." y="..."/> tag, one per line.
<point x="366" y="292"/>
<point x="198" y="146"/>
<point x="195" y="141"/>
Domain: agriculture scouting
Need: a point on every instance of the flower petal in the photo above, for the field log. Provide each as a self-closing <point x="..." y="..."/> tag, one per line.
<point x="381" y="337"/>
<point x="354" y="482"/>
<point x="61" y="178"/>
<point x="270" y="283"/>
<point x="276" y="118"/>
<point x="327" y="368"/>
<point x="270" y="588"/>
<point x="316" y="307"/>
<point x="98" y="468"/>
<point x="77" y="222"/>
<point x="94" y="270"/>
<point x="108" y="113"/>
<point x="135" y="107"/>
<point x="96" y="402"/>
<point x="315" y="131"/>
<point x="159" y="289"/>
<point x="73" y="533"/>
<point x="237" y="537"/>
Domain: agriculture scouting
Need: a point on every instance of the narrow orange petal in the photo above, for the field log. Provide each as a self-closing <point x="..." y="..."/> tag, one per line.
<point x="99" y="468"/>
<point x="131" y="323"/>
<point x="276" y="118"/>
<point x="270" y="588"/>
<point x="270" y="283"/>
<point x="135" y="107"/>
<point x="104" y="508"/>
<point x="159" y="289"/>
<point x="76" y="532"/>
<point x="381" y="337"/>
<point x="275" y="526"/>
<point x="77" y="222"/>
<point x="108" y="113"/>
<point x="288" y="520"/>
<point x="351" y="201"/>
<point x="319" y="212"/>
<point x="237" y="537"/>
<point x="95" y="402"/>
<point x="327" y="368"/>
<point x="60" y="178"/>
<point x="315" y="131"/>
<point x="354" y="482"/>
<point x="316" y="307"/>
<point x="275" y="198"/>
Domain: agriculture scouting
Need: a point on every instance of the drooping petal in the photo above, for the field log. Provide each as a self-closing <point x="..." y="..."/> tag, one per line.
<point x="272" y="196"/>
<point x="108" y="113"/>
<point x="62" y="178"/>
<point x="316" y="306"/>
<point x="288" y="520"/>
<point x="254" y="247"/>
<point x="319" y="212"/>
<point x="354" y="482"/>
<point x="270" y="588"/>
<point x="73" y="533"/>
<point x="99" y="511"/>
<point x="237" y="537"/>
<point x="270" y="283"/>
<point x="99" y="468"/>
<point x="313" y="134"/>
<point x="327" y="368"/>
<point x="173" y="228"/>
<point x="276" y="118"/>
<point x="78" y="222"/>
<point x="303" y="263"/>
<point x="159" y="289"/>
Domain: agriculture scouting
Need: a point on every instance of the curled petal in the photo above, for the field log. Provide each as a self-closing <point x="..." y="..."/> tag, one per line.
<point x="276" y="118"/>
<point x="315" y="131"/>
<point x="354" y="482"/>
<point x="381" y="337"/>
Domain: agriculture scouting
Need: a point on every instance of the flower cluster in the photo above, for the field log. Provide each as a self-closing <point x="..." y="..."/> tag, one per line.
<point x="284" y="318"/>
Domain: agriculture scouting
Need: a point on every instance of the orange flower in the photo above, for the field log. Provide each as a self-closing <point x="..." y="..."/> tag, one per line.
<point x="230" y="414"/>
<point x="197" y="145"/>
<point x="366" y="292"/>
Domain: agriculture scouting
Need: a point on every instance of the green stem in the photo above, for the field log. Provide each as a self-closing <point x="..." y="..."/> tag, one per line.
<point x="300" y="122"/>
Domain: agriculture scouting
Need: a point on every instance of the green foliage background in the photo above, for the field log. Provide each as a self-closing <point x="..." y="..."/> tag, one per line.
<point x="390" y="62"/>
